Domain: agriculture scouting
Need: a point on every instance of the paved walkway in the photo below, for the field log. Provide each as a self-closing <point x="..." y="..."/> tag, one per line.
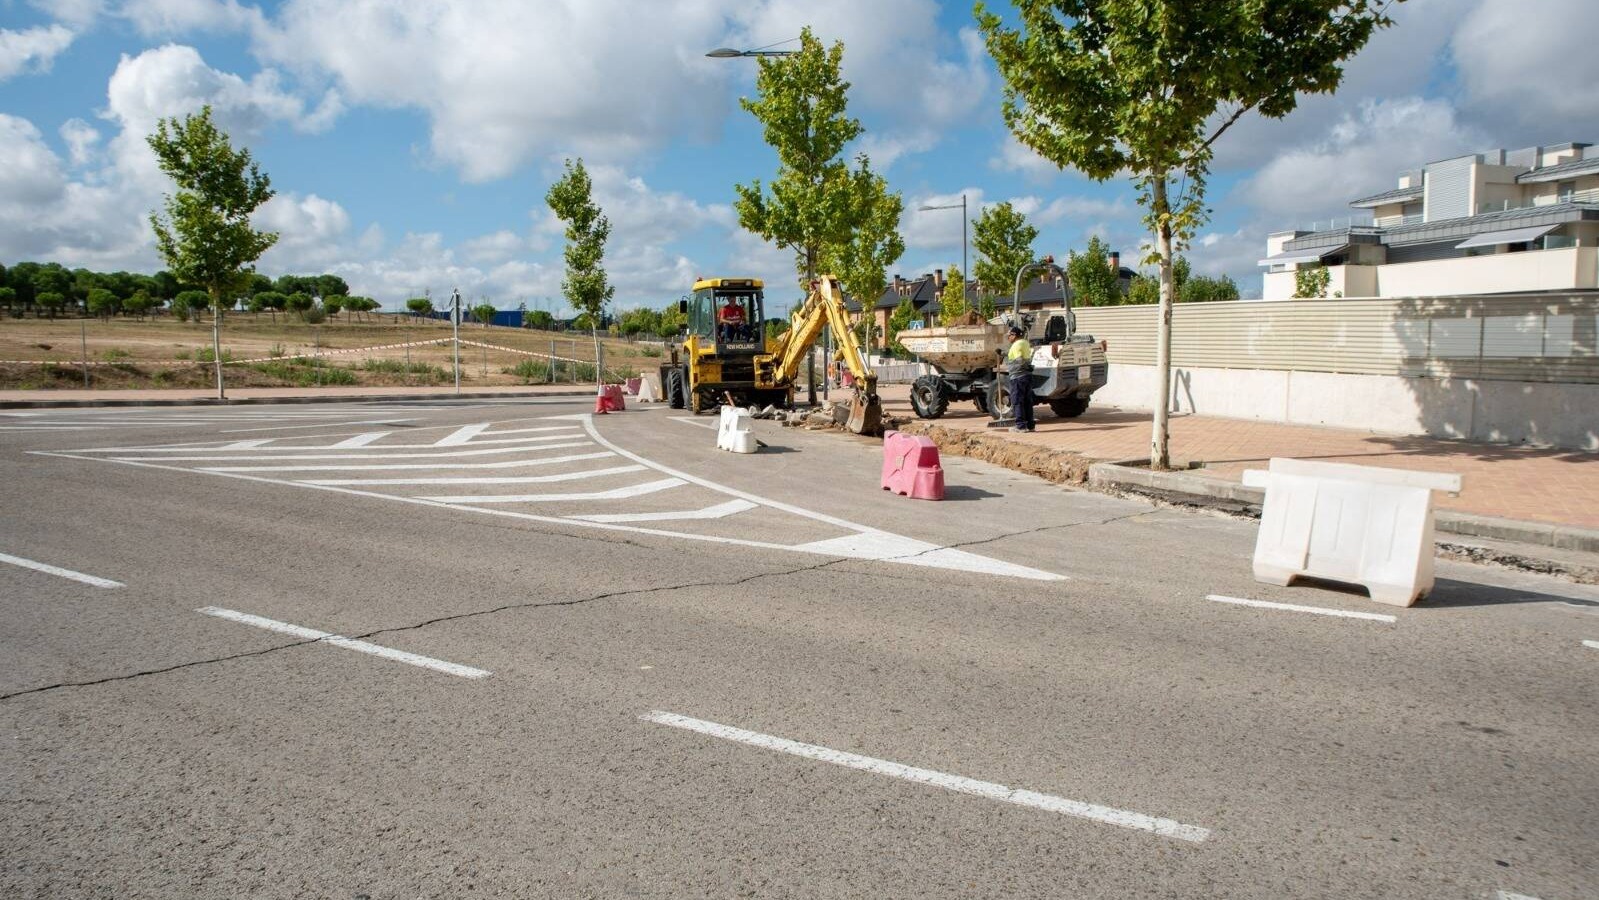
<point x="1556" y="486"/>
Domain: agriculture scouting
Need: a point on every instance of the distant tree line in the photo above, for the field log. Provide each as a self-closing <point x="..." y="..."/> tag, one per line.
<point x="51" y="289"/>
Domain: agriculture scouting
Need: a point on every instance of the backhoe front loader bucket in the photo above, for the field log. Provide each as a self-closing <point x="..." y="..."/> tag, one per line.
<point x="865" y="414"/>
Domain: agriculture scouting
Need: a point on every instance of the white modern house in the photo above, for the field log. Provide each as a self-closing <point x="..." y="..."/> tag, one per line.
<point x="1487" y="223"/>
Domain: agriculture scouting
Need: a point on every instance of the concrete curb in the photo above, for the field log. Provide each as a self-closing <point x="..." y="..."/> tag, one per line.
<point x="1542" y="534"/>
<point x="300" y="398"/>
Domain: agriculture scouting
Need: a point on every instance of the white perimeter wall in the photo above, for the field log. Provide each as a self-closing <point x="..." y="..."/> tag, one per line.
<point x="1553" y="415"/>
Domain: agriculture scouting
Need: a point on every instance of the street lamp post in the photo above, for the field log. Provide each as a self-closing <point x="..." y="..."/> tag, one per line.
<point x="730" y="53"/>
<point x="965" y="273"/>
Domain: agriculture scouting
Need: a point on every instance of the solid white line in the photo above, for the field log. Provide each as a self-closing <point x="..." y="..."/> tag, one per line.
<point x="461" y="435"/>
<point x="1292" y="607"/>
<point x="385" y="467"/>
<point x="719" y="511"/>
<point x="510" y="479"/>
<point x="1593" y="644"/>
<point x="962" y="785"/>
<point x="360" y="440"/>
<point x="57" y="570"/>
<point x="688" y="421"/>
<point x="250" y="444"/>
<point x="311" y="634"/>
<point x="384" y="421"/>
<point x="445" y="454"/>
<point x="621" y="493"/>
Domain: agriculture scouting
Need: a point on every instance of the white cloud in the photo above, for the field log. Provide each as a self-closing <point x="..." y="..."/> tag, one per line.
<point x="309" y="228"/>
<point x="30" y="174"/>
<point x="158" y="17"/>
<point x="494" y="248"/>
<point x="1014" y="156"/>
<point x="32" y="50"/>
<point x="77" y="13"/>
<point x="1528" y="71"/>
<point x="174" y="80"/>
<point x="81" y="139"/>
<point x="1361" y="154"/>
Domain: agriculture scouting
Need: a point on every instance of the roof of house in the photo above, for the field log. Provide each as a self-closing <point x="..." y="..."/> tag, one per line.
<point x="1568" y="169"/>
<point x="1449" y="229"/>
<point x="1397" y="195"/>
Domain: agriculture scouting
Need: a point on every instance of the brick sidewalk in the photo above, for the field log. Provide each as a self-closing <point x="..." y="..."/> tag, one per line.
<point x="1555" y="486"/>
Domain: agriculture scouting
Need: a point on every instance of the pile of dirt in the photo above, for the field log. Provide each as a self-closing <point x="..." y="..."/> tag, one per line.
<point x="1058" y="466"/>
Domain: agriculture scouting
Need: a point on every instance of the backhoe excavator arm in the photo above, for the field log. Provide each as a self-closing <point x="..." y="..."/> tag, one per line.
<point x="824" y="306"/>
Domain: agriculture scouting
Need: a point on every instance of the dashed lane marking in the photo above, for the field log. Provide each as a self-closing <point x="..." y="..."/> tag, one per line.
<point x="1294" y="607"/>
<point x="1592" y="644"/>
<point x="334" y="640"/>
<point x="959" y="784"/>
<point x="48" y="569"/>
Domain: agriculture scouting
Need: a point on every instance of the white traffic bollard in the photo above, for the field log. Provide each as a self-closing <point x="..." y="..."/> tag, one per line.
<point x="1357" y="524"/>
<point x="648" y="390"/>
<point x="734" y="431"/>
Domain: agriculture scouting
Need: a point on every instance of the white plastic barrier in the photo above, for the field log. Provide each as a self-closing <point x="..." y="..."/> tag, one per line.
<point x="734" y="431"/>
<point x="1357" y="524"/>
<point x="649" y="391"/>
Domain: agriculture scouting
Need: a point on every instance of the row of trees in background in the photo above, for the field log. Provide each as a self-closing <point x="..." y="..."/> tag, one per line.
<point x="51" y="289"/>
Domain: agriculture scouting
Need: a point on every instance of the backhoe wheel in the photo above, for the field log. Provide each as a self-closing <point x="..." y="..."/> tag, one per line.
<point x="674" y="388"/>
<point x="928" y="398"/>
<point x="1070" y="407"/>
<point x="999" y="398"/>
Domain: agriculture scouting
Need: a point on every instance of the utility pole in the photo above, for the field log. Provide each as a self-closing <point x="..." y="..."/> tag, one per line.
<point x="455" y="319"/>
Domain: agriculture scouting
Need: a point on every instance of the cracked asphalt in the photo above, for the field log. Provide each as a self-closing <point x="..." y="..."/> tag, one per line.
<point x="150" y="751"/>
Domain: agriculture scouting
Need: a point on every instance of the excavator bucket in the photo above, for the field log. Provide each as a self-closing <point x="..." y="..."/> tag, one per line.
<point x="865" y="414"/>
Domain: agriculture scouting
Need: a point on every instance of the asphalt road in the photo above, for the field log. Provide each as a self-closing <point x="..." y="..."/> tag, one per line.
<point x="600" y="658"/>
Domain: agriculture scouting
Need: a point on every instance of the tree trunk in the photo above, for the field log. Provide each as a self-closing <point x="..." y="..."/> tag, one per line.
<point x="216" y="341"/>
<point x="594" y="329"/>
<point x="1159" y="449"/>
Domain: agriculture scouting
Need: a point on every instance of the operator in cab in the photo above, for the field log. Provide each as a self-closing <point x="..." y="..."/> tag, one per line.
<point x="731" y="319"/>
<point x="1019" y="369"/>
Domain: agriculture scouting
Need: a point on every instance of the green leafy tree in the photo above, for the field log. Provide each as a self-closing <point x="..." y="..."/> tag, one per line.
<point x="206" y="237"/>
<point x="952" y="302"/>
<point x="272" y="301"/>
<point x="8" y="297"/>
<point x="1093" y="281"/>
<point x="420" y="306"/>
<point x="333" y="304"/>
<point x="542" y="319"/>
<point x="1205" y="289"/>
<point x="861" y="261"/>
<point x="810" y="207"/>
<point x="899" y="320"/>
<point x="188" y="304"/>
<point x="102" y="303"/>
<point x="586" y="286"/>
<point x="1148" y="86"/>
<point x="139" y="304"/>
<point x="1003" y="240"/>
<point x="673" y="321"/>
<point x="1145" y="289"/>
<point x="331" y="286"/>
<point x="52" y="301"/>
<point x="164" y="285"/>
<point x="300" y="303"/>
<point x="52" y="278"/>
<point x="484" y="313"/>
<point x="1311" y="282"/>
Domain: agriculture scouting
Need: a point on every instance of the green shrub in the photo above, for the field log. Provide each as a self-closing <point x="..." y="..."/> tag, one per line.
<point x="316" y="315"/>
<point x="426" y="371"/>
<point x="117" y="353"/>
<point x="276" y="351"/>
<point x="651" y="352"/>
<point x="206" y="354"/>
<point x="530" y="370"/>
<point x="181" y="354"/>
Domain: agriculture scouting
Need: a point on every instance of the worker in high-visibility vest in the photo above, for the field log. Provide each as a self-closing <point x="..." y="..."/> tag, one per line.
<point x="1019" y="368"/>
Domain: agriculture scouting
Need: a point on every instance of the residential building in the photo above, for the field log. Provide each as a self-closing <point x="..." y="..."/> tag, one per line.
<point x="1486" y="223"/>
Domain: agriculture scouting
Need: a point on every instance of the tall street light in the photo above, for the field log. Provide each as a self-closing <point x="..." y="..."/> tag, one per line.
<point x="965" y="273"/>
<point x="730" y="53"/>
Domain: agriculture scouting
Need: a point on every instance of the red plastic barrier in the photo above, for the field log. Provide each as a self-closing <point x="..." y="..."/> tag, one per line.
<point x="911" y="467"/>
<point x="609" y="399"/>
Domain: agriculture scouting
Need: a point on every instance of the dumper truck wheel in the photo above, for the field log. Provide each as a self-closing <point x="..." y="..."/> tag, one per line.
<point x="674" y="388"/>
<point x="980" y="400"/>
<point x="1069" y="407"/>
<point x="999" y="398"/>
<point x="928" y="398"/>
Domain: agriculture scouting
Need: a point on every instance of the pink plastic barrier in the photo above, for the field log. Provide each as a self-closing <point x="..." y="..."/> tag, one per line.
<point x="911" y="468"/>
<point x="609" y="400"/>
<point x="632" y="385"/>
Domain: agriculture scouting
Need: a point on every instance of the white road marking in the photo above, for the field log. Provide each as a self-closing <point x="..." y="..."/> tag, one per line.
<point x="311" y="634"/>
<point x="1510" y="895"/>
<point x="521" y="430"/>
<point x="688" y="421"/>
<point x="488" y="451"/>
<point x="1293" y="607"/>
<point x="1593" y="644"/>
<point x="386" y="467"/>
<point x="389" y="421"/>
<point x="719" y="511"/>
<point x="360" y="440"/>
<point x="461" y="435"/>
<point x="514" y="479"/>
<point x="957" y="783"/>
<point x="621" y="493"/>
<point x="243" y="445"/>
<point x="58" y="571"/>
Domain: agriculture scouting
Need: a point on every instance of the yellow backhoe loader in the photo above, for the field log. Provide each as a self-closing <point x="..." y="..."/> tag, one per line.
<point x="725" y="352"/>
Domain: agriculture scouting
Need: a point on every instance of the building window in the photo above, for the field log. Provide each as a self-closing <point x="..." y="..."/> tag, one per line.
<point x="1558" y="241"/>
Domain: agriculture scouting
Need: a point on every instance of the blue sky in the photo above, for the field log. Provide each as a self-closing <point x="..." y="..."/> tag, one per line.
<point x="411" y="143"/>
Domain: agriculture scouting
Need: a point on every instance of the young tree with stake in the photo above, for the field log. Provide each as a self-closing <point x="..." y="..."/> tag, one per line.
<point x="1003" y="240"/>
<point x="585" y="286"/>
<point x="205" y="237"/>
<point x="1148" y="86"/>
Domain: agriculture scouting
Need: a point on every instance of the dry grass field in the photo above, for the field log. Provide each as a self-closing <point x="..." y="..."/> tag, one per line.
<point x="261" y="352"/>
